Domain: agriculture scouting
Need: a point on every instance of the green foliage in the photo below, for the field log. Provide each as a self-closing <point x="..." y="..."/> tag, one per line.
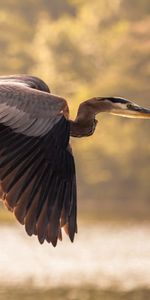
<point x="85" y="48"/>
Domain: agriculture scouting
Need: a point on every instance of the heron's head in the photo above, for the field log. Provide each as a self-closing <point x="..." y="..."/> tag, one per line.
<point x="121" y="107"/>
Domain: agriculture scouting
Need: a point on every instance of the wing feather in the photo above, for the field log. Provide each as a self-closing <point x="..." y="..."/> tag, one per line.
<point x="37" y="172"/>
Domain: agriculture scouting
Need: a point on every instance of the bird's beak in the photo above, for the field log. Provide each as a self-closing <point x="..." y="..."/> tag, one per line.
<point x="132" y="111"/>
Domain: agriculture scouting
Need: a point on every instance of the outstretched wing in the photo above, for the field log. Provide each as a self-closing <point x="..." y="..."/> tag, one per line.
<point x="26" y="80"/>
<point x="37" y="169"/>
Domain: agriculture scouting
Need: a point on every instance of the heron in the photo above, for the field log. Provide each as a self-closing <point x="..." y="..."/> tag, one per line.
<point x="37" y="169"/>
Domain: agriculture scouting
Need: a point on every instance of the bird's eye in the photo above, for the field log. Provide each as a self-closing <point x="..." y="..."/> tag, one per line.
<point x="129" y="105"/>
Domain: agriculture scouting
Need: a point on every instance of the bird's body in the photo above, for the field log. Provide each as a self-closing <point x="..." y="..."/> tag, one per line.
<point x="37" y="170"/>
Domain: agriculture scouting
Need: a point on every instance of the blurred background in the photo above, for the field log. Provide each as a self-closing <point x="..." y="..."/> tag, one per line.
<point x="84" y="49"/>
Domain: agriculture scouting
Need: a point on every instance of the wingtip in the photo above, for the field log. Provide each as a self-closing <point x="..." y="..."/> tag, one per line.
<point x="69" y="232"/>
<point x="41" y="239"/>
<point x="54" y="243"/>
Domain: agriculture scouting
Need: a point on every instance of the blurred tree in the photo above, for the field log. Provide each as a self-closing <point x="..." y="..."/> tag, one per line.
<point x="85" y="48"/>
<point x="135" y="9"/>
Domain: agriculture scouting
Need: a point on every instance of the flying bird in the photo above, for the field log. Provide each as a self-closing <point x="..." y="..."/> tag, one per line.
<point x="37" y="169"/>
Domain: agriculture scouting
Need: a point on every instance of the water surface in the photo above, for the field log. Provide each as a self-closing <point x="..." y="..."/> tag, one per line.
<point x="104" y="255"/>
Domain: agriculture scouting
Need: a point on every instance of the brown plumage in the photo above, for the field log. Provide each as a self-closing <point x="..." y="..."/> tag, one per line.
<point x="37" y="171"/>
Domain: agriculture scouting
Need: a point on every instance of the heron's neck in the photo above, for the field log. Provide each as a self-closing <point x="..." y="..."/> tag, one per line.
<point x="85" y="123"/>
